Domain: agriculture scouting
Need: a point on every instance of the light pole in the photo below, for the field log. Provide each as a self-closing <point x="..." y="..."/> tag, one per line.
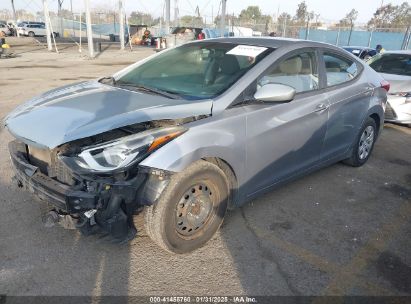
<point x="14" y="17"/>
<point x="168" y="16"/>
<point x="89" y="29"/>
<point x="47" y="22"/>
<point x="121" y="15"/>
<point x="222" y="19"/>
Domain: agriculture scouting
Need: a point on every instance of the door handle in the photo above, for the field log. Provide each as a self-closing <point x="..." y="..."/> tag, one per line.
<point x="321" y="107"/>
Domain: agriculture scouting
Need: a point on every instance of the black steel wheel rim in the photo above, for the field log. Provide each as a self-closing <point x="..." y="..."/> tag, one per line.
<point x="194" y="210"/>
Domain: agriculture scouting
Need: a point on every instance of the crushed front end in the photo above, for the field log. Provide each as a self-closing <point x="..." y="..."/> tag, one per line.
<point x="89" y="198"/>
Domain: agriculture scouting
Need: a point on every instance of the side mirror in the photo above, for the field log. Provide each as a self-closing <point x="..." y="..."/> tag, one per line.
<point x="275" y="92"/>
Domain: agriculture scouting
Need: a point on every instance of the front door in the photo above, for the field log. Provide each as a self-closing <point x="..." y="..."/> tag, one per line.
<point x="286" y="138"/>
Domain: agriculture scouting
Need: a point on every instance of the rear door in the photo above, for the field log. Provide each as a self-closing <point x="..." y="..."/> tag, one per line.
<point x="284" y="139"/>
<point x="27" y="28"/>
<point x="348" y="97"/>
<point x="40" y="30"/>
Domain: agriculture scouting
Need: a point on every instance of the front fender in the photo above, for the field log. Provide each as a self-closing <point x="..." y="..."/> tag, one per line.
<point x="223" y="137"/>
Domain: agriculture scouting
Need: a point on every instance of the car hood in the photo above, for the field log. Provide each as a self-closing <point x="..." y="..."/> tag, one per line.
<point x="89" y="108"/>
<point x="398" y="83"/>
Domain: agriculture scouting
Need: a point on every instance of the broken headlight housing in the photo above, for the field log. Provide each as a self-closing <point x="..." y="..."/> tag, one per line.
<point x="118" y="154"/>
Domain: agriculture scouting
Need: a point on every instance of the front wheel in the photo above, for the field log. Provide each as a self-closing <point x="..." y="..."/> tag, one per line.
<point x="190" y="209"/>
<point x="31" y="34"/>
<point x="364" y="143"/>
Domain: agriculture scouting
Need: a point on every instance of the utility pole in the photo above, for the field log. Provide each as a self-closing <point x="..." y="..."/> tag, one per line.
<point x="121" y="15"/>
<point x="168" y="16"/>
<point x="351" y="28"/>
<point x="59" y="5"/>
<point x="47" y="22"/>
<point x="222" y="19"/>
<point x="14" y="17"/>
<point x="176" y="23"/>
<point x="72" y="17"/>
<point x="89" y="29"/>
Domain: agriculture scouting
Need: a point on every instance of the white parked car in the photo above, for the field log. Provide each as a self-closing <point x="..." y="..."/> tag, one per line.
<point x="395" y="67"/>
<point x="33" y="30"/>
<point x="4" y="30"/>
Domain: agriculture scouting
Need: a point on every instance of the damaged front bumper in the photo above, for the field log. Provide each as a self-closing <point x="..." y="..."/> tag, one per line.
<point x="93" y="204"/>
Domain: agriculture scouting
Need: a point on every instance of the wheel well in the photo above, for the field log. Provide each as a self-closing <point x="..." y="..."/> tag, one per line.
<point x="231" y="177"/>
<point x="377" y="121"/>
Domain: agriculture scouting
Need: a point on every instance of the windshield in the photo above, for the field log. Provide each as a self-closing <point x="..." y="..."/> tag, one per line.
<point x="398" y="64"/>
<point x="197" y="70"/>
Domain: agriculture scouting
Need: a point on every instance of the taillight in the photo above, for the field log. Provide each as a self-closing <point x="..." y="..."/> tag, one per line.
<point x="385" y="85"/>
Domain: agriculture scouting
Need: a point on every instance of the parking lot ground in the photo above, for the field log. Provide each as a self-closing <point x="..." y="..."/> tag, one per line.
<point x="339" y="231"/>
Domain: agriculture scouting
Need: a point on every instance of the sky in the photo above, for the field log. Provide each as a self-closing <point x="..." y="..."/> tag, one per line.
<point x="331" y="10"/>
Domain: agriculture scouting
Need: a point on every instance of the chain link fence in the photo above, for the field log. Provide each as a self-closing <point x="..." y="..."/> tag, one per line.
<point x="389" y="38"/>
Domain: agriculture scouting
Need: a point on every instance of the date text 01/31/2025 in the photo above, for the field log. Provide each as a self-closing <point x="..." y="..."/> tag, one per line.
<point x="203" y="299"/>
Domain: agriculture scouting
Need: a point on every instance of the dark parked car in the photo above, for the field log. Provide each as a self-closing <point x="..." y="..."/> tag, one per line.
<point x="193" y="130"/>
<point x="361" y="51"/>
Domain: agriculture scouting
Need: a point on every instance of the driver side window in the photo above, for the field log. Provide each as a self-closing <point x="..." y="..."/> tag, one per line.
<point x="299" y="71"/>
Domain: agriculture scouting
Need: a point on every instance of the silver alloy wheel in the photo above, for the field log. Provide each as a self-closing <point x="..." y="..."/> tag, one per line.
<point x="194" y="210"/>
<point x="366" y="142"/>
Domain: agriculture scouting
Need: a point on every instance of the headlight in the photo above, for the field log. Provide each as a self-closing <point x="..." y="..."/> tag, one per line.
<point x="122" y="152"/>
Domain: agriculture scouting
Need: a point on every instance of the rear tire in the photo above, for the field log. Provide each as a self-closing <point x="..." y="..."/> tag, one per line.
<point x="190" y="210"/>
<point x="364" y="144"/>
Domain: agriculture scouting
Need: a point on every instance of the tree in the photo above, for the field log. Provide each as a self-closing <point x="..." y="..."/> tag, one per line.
<point x="265" y="19"/>
<point x="193" y="21"/>
<point x="301" y="14"/>
<point x="317" y="23"/>
<point x="283" y="21"/>
<point x="251" y="13"/>
<point x="391" y="16"/>
<point x="140" y="18"/>
<point x="349" y="19"/>
<point x="284" y="17"/>
<point x="65" y="13"/>
<point x="24" y="15"/>
<point x="234" y="19"/>
<point x="5" y="14"/>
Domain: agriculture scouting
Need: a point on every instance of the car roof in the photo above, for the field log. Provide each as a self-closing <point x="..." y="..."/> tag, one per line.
<point x="404" y="52"/>
<point x="273" y="42"/>
<point x="357" y="47"/>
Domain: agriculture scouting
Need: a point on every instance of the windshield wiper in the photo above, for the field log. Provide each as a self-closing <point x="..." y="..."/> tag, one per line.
<point x="139" y="87"/>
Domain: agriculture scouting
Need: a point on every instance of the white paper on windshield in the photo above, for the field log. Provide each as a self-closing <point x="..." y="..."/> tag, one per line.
<point x="247" y="50"/>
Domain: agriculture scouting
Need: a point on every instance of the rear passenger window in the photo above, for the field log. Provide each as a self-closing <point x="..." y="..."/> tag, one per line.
<point x="339" y="69"/>
<point x="299" y="71"/>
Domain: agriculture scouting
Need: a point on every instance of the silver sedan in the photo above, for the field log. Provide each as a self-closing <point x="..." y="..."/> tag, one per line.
<point x="192" y="131"/>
